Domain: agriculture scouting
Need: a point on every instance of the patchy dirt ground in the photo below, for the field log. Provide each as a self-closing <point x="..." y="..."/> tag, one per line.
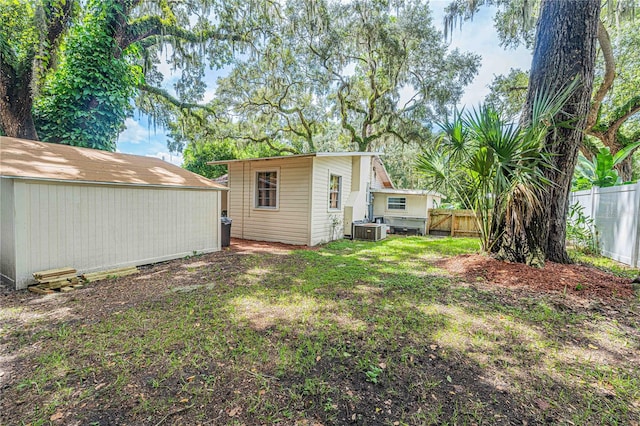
<point x="579" y="281"/>
<point x="378" y="366"/>
<point x="248" y="246"/>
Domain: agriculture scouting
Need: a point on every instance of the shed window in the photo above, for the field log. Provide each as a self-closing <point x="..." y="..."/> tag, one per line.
<point x="335" y="191"/>
<point x="267" y="190"/>
<point x="396" y="203"/>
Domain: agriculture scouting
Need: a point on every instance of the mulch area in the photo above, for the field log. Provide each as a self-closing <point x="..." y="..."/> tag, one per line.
<point x="576" y="280"/>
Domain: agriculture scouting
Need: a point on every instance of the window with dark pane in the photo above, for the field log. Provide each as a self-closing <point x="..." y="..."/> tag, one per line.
<point x="335" y="189"/>
<point x="396" y="203"/>
<point x="267" y="189"/>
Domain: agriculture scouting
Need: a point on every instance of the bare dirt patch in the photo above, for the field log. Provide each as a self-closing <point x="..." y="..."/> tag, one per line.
<point x="250" y="246"/>
<point x="576" y="280"/>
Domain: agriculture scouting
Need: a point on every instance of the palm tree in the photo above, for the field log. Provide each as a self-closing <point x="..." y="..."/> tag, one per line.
<point x="567" y="34"/>
<point x="486" y="163"/>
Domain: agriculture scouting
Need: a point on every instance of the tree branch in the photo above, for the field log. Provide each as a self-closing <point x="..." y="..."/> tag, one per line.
<point x="267" y="140"/>
<point x="41" y="58"/>
<point x="623" y="113"/>
<point x="57" y="14"/>
<point x="343" y="115"/>
<point x="188" y="106"/>
<point x="307" y="127"/>
<point x="150" y="26"/>
<point x="609" y="75"/>
<point x="398" y="135"/>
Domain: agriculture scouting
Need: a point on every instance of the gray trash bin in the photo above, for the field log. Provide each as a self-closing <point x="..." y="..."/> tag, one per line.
<point x="225" y="229"/>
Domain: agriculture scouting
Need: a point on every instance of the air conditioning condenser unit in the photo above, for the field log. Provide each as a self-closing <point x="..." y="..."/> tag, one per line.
<point x="369" y="231"/>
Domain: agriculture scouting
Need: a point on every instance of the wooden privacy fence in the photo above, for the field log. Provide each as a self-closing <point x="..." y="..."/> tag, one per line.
<point x="457" y="223"/>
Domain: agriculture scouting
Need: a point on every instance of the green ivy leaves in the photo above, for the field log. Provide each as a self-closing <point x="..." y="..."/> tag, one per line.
<point x="86" y="100"/>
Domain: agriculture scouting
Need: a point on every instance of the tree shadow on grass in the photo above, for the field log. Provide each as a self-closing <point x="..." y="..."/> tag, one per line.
<point x="336" y="336"/>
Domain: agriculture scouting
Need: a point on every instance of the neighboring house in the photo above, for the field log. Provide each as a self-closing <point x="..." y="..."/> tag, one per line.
<point x="305" y="199"/>
<point x="95" y="210"/>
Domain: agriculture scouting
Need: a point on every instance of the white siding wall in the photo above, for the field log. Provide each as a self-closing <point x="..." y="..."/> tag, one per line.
<point x="235" y="200"/>
<point x="357" y="207"/>
<point x="361" y="198"/>
<point x="322" y="218"/>
<point x="289" y="223"/>
<point x="416" y="205"/>
<point x="434" y="202"/>
<point x="96" y="227"/>
<point x="7" y="241"/>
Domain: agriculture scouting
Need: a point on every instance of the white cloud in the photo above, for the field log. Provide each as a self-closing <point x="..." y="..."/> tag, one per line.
<point x="209" y="94"/>
<point x="134" y="132"/>
<point x="168" y="70"/>
<point x="168" y="157"/>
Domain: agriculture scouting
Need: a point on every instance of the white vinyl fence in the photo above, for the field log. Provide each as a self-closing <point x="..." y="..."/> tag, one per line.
<point x="616" y="213"/>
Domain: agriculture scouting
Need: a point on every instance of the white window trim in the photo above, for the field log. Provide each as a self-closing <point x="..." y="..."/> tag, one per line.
<point x="255" y="189"/>
<point x="395" y="210"/>
<point x="329" y="208"/>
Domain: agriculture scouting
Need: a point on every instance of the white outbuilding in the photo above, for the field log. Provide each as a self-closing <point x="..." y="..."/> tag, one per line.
<point x="93" y="210"/>
<point x="405" y="210"/>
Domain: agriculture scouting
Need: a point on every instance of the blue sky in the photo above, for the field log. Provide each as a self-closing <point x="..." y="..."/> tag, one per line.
<point x="477" y="36"/>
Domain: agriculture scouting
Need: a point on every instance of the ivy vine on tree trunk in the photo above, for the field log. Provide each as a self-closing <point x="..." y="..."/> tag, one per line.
<point x="83" y="98"/>
<point x="87" y="98"/>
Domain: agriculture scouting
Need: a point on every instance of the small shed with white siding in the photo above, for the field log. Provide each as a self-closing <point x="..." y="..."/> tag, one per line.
<point x="94" y="210"/>
<point x="305" y="199"/>
<point x="405" y="209"/>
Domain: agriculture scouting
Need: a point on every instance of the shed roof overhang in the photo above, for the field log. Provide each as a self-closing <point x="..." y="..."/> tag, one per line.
<point x="406" y="192"/>
<point x="286" y="157"/>
<point x="31" y="160"/>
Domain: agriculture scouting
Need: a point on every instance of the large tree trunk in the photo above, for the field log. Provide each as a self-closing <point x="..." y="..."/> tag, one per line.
<point x="566" y="39"/>
<point x="16" y="101"/>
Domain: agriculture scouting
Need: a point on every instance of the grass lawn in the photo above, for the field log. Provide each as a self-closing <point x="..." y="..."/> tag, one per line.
<point x="353" y="333"/>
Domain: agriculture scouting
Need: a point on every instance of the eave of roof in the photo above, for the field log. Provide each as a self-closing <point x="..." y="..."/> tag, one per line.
<point x="286" y="157"/>
<point x="406" y="191"/>
<point x="382" y="172"/>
